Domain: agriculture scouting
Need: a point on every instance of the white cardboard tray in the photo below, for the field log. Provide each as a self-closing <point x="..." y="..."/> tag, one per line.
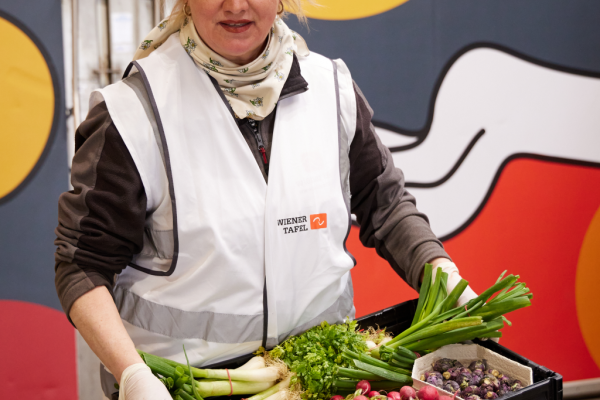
<point x="465" y="353"/>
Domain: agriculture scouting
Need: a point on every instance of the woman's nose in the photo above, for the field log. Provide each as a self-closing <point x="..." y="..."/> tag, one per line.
<point x="235" y="6"/>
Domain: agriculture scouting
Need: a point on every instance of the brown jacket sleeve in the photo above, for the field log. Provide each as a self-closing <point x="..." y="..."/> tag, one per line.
<point x="386" y="212"/>
<point x="101" y="221"/>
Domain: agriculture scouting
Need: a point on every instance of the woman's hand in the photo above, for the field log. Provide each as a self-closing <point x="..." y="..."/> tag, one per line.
<point x="453" y="278"/>
<point x="138" y="383"/>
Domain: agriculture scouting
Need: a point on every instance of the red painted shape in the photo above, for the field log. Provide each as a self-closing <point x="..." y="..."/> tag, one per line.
<point x="376" y="285"/>
<point x="533" y="225"/>
<point x="37" y="353"/>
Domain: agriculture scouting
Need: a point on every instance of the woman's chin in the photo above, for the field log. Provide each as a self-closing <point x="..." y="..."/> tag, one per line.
<point x="241" y="52"/>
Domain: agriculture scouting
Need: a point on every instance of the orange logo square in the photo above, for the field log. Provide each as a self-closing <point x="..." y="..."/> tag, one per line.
<point x="318" y="221"/>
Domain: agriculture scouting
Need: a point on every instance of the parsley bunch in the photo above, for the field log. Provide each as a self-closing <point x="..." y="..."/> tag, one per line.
<point x="316" y="355"/>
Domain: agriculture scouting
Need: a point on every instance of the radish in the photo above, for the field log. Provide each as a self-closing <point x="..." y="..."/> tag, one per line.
<point x="373" y="393"/>
<point x="408" y="393"/>
<point x="360" y="397"/>
<point x="364" y="387"/>
<point x="445" y="398"/>
<point x="337" y="397"/>
<point x="395" y="395"/>
<point x="428" y="393"/>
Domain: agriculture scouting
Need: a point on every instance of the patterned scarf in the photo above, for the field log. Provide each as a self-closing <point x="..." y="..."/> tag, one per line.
<point x="252" y="89"/>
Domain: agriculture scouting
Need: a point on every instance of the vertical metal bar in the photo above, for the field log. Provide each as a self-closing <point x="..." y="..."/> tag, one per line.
<point x="158" y="11"/>
<point x="136" y="21"/>
<point x="103" y="40"/>
<point x="75" y="66"/>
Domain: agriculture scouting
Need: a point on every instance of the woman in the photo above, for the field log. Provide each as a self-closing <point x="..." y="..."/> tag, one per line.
<point x="164" y="183"/>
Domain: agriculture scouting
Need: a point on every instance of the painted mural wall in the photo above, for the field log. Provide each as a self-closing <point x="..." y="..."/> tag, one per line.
<point x="33" y="173"/>
<point x="491" y="109"/>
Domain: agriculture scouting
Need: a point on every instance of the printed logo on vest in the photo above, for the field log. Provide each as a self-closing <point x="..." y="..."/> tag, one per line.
<point x="299" y="224"/>
<point x="318" y="221"/>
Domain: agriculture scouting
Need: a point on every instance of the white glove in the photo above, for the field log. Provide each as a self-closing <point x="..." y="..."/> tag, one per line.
<point x="138" y="383"/>
<point x="453" y="280"/>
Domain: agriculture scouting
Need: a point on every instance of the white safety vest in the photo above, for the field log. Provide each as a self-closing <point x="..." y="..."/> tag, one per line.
<point x="229" y="262"/>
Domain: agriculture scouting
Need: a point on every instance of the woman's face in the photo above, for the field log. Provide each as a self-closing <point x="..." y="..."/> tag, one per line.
<point x="236" y="29"/>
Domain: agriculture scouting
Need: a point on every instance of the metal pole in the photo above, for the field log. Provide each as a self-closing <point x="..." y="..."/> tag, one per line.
<point x="158" y="11"/>
<point x="75" y="60"/>
<point x="136" y="22"/>
<point x="103" y="40"/>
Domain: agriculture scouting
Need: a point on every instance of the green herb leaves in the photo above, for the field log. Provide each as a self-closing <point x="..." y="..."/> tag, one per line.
<point x="316" y="355"/>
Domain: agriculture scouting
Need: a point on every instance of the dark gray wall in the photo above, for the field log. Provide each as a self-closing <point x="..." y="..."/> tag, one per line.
<point x="397" y="56"/>
<point x="28" y="216"/>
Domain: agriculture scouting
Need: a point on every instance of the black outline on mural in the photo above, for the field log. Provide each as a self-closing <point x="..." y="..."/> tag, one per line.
<point x="507" y="160"/>
<point x="58" y="105"/>
<point x="454" y="168"/>
<point x="422" y="133"/>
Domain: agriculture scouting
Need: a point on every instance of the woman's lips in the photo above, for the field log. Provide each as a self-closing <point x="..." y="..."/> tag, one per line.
<point x="236" y="26"/>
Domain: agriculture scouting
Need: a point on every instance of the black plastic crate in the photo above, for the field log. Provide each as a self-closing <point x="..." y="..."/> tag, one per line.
<point x="547" y="384"/>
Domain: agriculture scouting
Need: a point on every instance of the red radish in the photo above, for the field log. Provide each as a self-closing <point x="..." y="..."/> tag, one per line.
<point x="337" y="397"/>
<point x="428" y="393"/>
<point x="364" y="386"/>
<point x="395" y="395"/>
<point x="373" y="393"/>
<point x="407" y="393"/>
<point x="361" y="397"/>
<point x="445" y="398"/>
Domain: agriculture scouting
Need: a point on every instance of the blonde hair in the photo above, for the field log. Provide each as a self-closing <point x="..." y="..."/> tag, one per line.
<point x="289" y="7"/>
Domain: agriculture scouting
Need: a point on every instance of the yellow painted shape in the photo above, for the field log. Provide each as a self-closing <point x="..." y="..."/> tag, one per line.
<point x="26" y="106"/>
<point x="349" y="9"/>
<point x="586" y="288"/>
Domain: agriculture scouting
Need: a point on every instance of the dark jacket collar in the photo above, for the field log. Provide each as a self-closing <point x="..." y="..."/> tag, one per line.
<point x="295" y="83"/>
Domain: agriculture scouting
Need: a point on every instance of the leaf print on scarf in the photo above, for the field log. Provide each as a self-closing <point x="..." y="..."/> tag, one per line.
<point x="158" y="45"/>
<point x="279" y="76"/>
<point x="230" y="81"/>
<point x="289" y="51"/>
<point x="230" y="91"/>
<point x="257" y="102"/>
<point x="162" y="25"/>
<point x="255" y="85"/>
<point x="243" y="70"/>
<point x="264" y="56"/>
<point x="294" y="34"/>
<point x="266" y="68"/>
<point x="146" y="44"/>
<point x="190" y="46"/>
<point x="210" y="67"/>
<point x="215" y="62"/>
<point x="186" y="21"/>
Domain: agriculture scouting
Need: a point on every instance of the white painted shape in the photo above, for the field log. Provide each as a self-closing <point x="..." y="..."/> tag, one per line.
<point x="394" y="139"/>
<point x="523" y="107"/>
